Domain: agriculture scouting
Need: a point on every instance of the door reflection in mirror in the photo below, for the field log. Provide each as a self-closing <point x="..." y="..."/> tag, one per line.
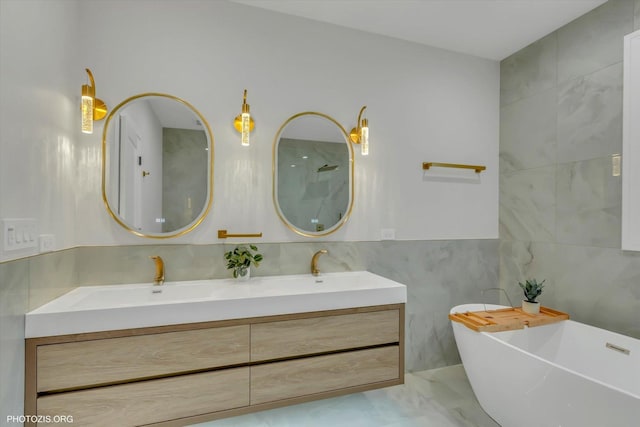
<point x="156" y="177"/>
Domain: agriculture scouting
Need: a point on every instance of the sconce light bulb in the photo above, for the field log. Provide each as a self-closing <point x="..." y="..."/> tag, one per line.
<point x="246" y="128"/>
<point x="364" y="139"/>
<point x="87" y="114"/>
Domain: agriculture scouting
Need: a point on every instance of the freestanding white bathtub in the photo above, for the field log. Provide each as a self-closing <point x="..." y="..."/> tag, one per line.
<point x="563" y="374"/>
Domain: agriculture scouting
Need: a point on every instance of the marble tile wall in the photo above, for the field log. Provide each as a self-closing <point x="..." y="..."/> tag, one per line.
<point x="595" y="285"/>
<point x="438" y="274"/>
<point x="560" y="204"/>
<point x="13" y="304"/>
<point x="528" y="132"/>
<point x="594" y="40"/>
<point x="184" y="195"/>
<point x="589" y="114"/>
<point x="529" y="71"/>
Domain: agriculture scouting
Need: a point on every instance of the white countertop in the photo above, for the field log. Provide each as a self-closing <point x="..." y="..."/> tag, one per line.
<point x="113" y="307"/>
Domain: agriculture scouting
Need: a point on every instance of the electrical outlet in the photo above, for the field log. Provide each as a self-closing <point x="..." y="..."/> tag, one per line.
<point x="388" y="234"/>
<point x="47" y="242"/>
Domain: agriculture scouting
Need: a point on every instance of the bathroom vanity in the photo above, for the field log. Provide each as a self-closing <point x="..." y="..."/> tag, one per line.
<point x="308" y="338"/>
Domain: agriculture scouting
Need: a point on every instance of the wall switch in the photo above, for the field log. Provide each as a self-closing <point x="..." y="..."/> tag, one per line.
<point x="19" y="234"/>
<point x="47" y="242"/>
<point x="388" y="234"/>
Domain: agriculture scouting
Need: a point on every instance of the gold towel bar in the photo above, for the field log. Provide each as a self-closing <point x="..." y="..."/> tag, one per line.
<point x="222" y="234"/>
<point x="477" y="168"/>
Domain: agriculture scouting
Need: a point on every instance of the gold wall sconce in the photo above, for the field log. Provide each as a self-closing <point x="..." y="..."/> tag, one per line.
<point x="92" y="108"/>
<point x="360" y="133"/>
<point x="244" y="122"/>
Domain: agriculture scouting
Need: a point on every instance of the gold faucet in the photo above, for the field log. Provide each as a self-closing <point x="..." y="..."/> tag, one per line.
<point x="314" y="261"/>
<point x="159" y="279"/>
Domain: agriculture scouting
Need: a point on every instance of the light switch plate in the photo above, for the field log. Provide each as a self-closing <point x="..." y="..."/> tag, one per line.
<point x="19" y="234"/>
<point x="616" y="159"/>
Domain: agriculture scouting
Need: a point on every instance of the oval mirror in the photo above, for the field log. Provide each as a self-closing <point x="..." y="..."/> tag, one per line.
<point x="312" y="174"/>
<point x="157" y="161"/>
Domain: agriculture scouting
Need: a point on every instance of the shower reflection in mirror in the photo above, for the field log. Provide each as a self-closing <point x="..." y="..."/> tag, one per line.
<point x="313" y="192"/>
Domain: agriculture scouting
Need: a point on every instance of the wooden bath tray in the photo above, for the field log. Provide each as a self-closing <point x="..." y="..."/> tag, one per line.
<point x="507" y="319"/>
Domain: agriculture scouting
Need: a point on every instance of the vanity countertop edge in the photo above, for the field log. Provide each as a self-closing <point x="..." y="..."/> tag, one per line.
<point x="262" y="296"/>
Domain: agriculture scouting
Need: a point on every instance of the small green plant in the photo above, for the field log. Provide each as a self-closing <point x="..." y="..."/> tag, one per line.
<point x="241" y="258"/>
<point x="532" y="289"/>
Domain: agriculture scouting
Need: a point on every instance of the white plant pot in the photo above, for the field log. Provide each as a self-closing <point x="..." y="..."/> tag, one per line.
<point x="530" y="307"/>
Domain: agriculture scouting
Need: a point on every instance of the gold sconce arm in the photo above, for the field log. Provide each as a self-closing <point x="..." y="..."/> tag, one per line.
<point x="360" y="133"/>
<point x="99" y="107"/>
<point x="91" y="108"/>
<point x="354" y="135"/>
<point x="90" y="89"/>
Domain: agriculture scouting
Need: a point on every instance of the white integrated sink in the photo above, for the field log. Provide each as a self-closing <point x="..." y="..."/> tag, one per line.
<point x="102" y="308"/>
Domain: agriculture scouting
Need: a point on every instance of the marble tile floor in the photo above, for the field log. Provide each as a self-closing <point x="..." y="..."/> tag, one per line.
<point x="434" y="398"/>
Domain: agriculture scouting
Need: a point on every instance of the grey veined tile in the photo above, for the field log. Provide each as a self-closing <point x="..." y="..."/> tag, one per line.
<point x="528" y="132"/>
<point x="526" y="260"/>
<point x="593" y="283"/>
<point x="529" y="71"/>
<point x="527" y="205"/>
<point x="589" y="204"/>
<point x="594" y="40"/>
<point x="50" y="276"/>
<point x="597" y="286"/>
<point x="636" y="16"/>
<point x="14" y="282"/>
<point x="590" y="115"/>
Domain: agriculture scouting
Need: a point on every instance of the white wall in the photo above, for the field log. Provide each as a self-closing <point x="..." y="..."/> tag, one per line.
<point x="424" y="104"/>
<point x="40" y="78"/>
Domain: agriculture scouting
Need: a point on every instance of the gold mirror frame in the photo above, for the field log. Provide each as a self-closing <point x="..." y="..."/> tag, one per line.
<point x="184" y="230"/>
<point x="351" y="175"/>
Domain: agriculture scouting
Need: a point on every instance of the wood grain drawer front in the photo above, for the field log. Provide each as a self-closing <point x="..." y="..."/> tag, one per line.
<point x="291" y="338"/>
<point x="108" y="361"/>
<point x="289" y="379"/>
<point x="151" y="401"/>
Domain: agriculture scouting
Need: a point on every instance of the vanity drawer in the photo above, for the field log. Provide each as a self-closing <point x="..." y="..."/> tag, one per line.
<point x="290" y="338"/>
<point x="296" y="378"/>
<point x="151" y="401"/>
<point x="113" y="360"/>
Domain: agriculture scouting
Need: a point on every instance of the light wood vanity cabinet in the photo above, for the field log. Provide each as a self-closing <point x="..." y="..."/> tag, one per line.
<point x="304" y="377"/>
<point x="290" y="338"/>
<point x="184" y="374"/>
<point x="146" y="402"/>
<point x="97" y="362"/>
